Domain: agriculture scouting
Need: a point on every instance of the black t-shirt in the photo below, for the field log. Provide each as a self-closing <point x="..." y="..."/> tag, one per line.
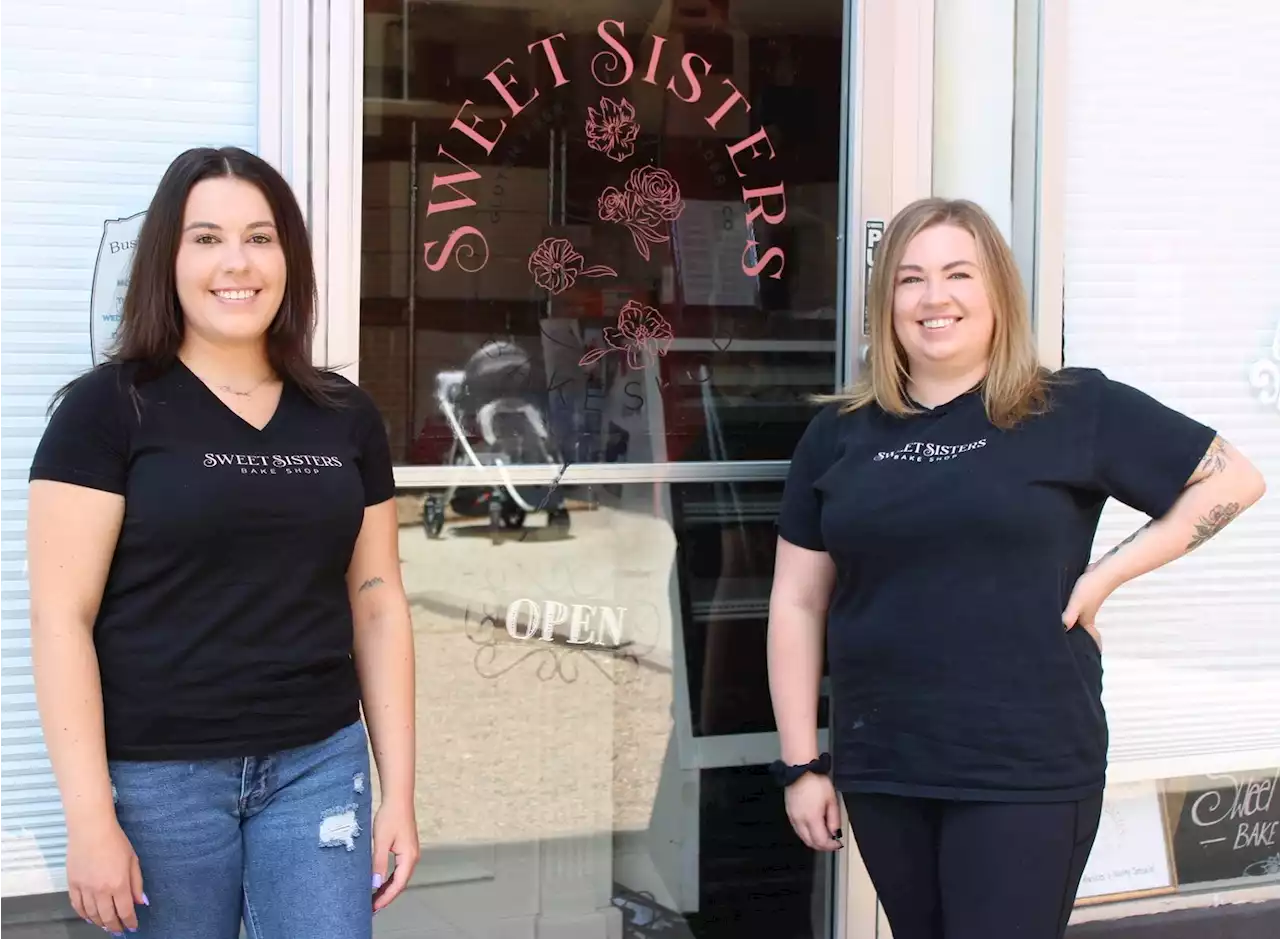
<point x="956" y="546"/>
<point x="225" y="628"/>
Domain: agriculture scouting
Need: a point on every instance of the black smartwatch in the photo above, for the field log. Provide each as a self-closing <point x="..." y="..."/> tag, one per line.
<point x="786" y="774"/>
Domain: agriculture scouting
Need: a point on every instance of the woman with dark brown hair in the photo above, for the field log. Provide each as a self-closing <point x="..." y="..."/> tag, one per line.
<point x="216" y="593"/>
<point x="936" y="529"/>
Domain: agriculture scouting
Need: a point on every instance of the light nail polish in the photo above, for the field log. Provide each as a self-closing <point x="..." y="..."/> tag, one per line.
<point x="377" y="881"/>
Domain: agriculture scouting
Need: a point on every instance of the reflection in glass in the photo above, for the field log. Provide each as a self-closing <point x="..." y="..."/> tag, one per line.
<point x="567" y="781"/>
<point x="665" y="262"/>
<point x="726" y="538"/>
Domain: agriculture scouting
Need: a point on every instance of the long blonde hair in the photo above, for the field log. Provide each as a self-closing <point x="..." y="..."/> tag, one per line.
<point x="1014" y="387"/>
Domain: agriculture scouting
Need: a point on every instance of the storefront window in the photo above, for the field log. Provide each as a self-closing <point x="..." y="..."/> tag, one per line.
<point x="1185" y="834"/>
<point x="600" y="232"/>
<point x="593" y="722"/>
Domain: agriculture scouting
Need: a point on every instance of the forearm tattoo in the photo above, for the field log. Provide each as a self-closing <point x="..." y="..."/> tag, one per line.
<point x="1116" y="549"/>
<point x="1219" y="517"/>
<point x="370" y="584"/>
<point x="1214" y="459"/>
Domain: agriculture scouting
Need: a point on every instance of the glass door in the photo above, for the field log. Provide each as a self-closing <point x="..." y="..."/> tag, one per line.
<point x="603" y="267"/>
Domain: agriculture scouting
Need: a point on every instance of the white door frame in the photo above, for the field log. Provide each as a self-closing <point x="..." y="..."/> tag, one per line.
<point x="892" y="166"/>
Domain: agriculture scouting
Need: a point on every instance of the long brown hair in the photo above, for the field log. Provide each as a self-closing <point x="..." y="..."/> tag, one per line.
<point x="151" y="324"/>
<point x="1015" y="385"/>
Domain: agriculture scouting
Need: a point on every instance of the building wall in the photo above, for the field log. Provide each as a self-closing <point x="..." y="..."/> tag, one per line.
<point x="1148" y="169"/>
<point x="1170" y="231"/>
<point x="1170" y="208"/>
<point x="98" y="98"/>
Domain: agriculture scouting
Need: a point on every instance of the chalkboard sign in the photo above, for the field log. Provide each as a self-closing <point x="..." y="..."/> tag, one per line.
<point x="1227" y="826"/>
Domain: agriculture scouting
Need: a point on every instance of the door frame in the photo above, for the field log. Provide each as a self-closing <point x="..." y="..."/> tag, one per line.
<point x="892" y="146"/>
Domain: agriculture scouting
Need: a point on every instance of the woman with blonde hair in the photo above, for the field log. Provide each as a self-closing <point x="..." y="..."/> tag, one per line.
<point x="936" y="527"/>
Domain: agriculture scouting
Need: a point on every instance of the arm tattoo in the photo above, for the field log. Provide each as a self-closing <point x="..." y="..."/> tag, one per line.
<point x="1116" y="549"/>
<point x="1214" y="459"/>
<point x="370" y="584"/>
<point x="1219" y="517"/>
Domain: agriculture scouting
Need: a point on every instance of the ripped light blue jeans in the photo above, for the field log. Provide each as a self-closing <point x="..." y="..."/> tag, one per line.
<point x="282" y="841"/>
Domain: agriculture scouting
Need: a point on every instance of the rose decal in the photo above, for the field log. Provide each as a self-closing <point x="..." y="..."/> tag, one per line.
<point x="651" y="199"/>
<point x="613" y="129"/>
<point x="641" y="333"/>
<point x="614" y="206"/>
<point x="555" y="265"/>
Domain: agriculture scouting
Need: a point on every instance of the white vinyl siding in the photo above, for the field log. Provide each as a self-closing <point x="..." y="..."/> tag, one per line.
<point x="1172" y="284"/>
<point x="98" y="96"/>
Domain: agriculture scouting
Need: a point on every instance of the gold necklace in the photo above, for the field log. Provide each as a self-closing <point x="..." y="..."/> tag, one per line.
<point x="243" y="394"/>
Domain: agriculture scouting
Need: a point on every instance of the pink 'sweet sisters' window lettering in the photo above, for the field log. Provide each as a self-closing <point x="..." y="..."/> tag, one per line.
<point x="651" y="198"/>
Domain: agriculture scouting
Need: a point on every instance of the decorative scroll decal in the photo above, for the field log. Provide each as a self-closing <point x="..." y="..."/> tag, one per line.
<point x="615" y="641"/>
<point x="613" y="129"/>
<point x="1264" y="374"/>
<point x="641" y="333"/>
<point x="650" y="201"/>
<point x="555" y="265"/>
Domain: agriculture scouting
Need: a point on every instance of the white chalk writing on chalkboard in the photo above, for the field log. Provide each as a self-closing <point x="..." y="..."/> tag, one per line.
<point x="1228" y="826"/>
<point x="1251" y="797"/>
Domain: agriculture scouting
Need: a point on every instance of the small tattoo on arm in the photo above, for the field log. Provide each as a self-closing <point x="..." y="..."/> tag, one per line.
<point x="1219" y="517"/>
<point x="1214" y="459"/>
<point x="370" y="584"/>
<point x="1116" y="549"/>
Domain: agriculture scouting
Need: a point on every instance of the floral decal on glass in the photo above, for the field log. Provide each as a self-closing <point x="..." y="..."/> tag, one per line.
<point x="555" y="264"/>
<point x="613" y="129"/>
<point x="641" y="333"/>
<point x="650" y="201"/>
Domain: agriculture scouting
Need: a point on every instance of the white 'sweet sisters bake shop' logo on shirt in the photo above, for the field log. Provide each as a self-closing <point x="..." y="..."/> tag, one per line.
<point x="923" y="452"/>
<point x="273" y="464"/>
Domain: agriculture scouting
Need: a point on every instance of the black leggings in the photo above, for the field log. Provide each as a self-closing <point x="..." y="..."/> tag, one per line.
<point x="974" y="870"/>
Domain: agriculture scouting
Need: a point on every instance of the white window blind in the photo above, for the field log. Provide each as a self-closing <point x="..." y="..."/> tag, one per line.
<point x="98" y="96"/>
<point x="1172" y="284"/>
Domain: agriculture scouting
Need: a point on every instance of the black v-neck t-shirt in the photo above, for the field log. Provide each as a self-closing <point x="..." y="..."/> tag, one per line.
<point x="956" y="546"/>
<point x="225" y="628"/>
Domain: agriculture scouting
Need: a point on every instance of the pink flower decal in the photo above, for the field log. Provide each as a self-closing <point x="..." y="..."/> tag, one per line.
<point x="555" y="265"/>
<point x="650" y="200"/>
<point x="641" y="333"/>
<point x="613" y="129"/>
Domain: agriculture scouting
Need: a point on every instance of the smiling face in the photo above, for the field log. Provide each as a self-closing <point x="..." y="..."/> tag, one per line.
<point x="942" y="314"/>
<point x="230" y="270"/>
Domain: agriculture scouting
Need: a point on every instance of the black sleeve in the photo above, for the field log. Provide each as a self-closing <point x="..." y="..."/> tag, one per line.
<point x="800" y="519"/>
<point x="375" y="452"/>
<point x="1143" y="451"/>
<point x="87" y="440"/>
